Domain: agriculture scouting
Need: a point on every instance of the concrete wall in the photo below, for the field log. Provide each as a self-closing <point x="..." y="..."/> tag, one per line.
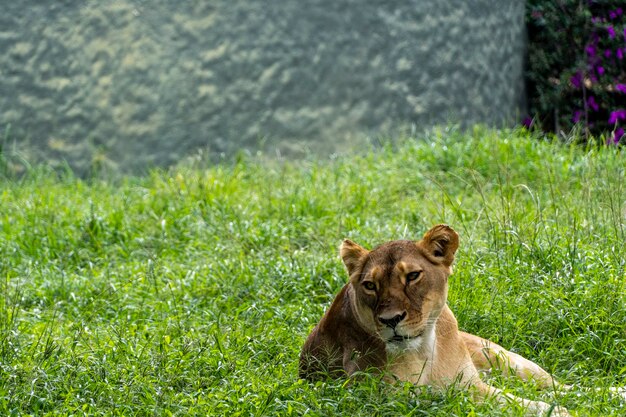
<point x="135" y="83"/>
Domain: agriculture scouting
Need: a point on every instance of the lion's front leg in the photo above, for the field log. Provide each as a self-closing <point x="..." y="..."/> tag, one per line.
<point x="363" y="358"/>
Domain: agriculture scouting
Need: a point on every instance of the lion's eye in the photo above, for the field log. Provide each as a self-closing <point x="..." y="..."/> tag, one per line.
<point x="369" y="285"/>
<point x="412" y="276"/>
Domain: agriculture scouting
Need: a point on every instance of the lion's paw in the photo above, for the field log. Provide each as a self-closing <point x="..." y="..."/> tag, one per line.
<point x="619" y="391"/>
<point x="546" y="410"/>
<point x="559" y="412"/>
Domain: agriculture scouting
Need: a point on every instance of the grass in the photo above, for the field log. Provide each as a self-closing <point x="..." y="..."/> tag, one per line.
<point x="191" y="291"/>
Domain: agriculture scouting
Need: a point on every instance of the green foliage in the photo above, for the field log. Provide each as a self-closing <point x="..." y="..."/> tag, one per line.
<point x="191" y="291"/>
<point x="577" y="66"/>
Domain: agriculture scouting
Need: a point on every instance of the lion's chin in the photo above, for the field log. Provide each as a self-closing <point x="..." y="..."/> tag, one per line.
<point x="399" y="344"/>
<point x="419" y="341"/>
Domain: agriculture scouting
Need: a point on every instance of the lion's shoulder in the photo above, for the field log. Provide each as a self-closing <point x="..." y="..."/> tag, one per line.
<point x="339" y="343"/>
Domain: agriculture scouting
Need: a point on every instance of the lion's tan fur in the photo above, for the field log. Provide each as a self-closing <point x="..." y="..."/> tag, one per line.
<point x="392" y="317"/>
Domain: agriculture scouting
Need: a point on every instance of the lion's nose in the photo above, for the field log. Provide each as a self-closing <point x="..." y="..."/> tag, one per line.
<point x="393" y="321"/>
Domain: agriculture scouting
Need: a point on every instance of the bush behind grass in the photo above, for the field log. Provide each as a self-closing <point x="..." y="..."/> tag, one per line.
<point x="191" y="291"/>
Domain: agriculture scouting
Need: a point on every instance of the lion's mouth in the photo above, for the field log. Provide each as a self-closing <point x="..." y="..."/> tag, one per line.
<point x="400" y="338"/>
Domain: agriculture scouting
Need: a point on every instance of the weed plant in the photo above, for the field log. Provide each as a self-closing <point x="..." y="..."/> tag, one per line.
<point x="576" y="67"/>
<point x="191" y="291"/>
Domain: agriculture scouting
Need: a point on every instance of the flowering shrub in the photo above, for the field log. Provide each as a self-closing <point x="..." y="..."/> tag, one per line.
<point x="576" y="72"/>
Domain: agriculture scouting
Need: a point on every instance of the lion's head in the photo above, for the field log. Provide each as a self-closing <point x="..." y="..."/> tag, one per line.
<point x="400" y="288"/>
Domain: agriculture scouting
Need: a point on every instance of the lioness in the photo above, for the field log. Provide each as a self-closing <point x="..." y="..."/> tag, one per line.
<point x="392" y="316"/>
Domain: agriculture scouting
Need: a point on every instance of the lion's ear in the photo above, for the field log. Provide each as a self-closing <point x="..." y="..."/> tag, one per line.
<point x="441" y="242"/>
<point x="351" y="253"/>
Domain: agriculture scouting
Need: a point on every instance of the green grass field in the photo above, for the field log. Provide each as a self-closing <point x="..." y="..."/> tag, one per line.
<point x="191" y="291"/>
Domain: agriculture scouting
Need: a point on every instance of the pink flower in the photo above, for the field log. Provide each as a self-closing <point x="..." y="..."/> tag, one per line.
<point x="617" y="115"/>
<point x="577" y="79"/>
<point x="611" y="31"/>
<point x="621" y="88"/>
<point x="576" y="116"/>
<point x="591" y="102"/>
<point x="591" y="50"/>
<point x="600" y="70"/>
<point x="617" y="135"/>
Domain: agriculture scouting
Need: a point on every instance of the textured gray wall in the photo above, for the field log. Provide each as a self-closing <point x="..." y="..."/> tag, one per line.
<point x="138" y="83"/>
